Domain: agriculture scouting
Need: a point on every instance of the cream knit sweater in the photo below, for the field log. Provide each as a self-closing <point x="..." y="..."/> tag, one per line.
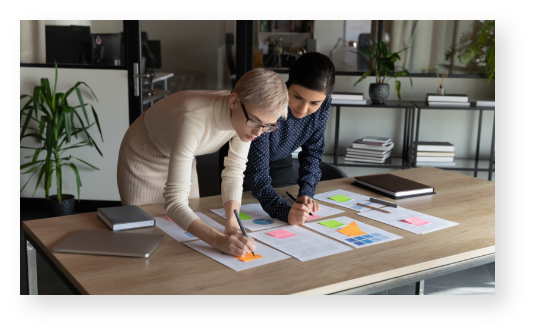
<point x="193" y="123"/>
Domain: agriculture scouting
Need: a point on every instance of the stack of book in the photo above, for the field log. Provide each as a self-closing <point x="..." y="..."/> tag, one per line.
<point x="435" y="154"/>
<point x="295" y="154"/>
<point x="348" y="98"/>
<point x="453" y="100"/>
<point x="370" y="150"/>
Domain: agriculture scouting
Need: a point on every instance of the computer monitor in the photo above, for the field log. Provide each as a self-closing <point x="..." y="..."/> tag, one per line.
<point x="108" y="49"/>
<point x="68" y="44"/>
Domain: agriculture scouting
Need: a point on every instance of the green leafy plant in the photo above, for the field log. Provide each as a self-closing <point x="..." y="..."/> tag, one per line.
<point x="55" y="130"/>
<point x="384" y="62"/>
<point x="476" y="49"/>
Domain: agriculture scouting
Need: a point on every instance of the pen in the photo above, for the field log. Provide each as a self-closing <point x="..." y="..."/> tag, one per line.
<point x="382" y="202"/>
<point x="241" y="226"/>
<point x="295" y="200"/>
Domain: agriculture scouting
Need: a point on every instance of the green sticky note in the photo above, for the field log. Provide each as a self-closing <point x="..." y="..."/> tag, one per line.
<point x="340" y="198"/>
<point x="244" y="216"/>
<point x="331" y="223"/>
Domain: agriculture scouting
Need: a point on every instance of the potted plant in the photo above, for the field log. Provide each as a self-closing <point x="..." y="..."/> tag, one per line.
<point x="54" y="129"/>
<point x="384" y="62"/>
<point x="476" y="49"/>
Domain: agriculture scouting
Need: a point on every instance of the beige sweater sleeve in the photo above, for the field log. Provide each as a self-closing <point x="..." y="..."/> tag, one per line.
<point x="184" y="141"/>
<point x="232" y="175"/>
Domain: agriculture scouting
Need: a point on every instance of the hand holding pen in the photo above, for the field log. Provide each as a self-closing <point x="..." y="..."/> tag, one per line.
<point x="298" y="213"/>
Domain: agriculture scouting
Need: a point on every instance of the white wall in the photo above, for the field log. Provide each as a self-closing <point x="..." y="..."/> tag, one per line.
<point x="110" y="87"/>
<point x="456" y="127"/>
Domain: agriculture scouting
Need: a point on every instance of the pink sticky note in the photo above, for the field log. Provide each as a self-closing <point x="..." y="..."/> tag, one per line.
<point x="312" y="217"/>
<point x="168" y="219"/>
<point x="416" y="221"/>
<point x="281" y="234"/>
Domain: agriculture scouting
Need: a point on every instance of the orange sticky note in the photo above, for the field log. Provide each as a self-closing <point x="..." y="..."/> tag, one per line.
<point x="351" y="230"/>
<point x="248" y="257"/>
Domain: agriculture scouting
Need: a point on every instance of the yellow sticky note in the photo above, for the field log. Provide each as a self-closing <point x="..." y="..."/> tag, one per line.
<point x="248" y="257"/>
<point x="351" y="230"/>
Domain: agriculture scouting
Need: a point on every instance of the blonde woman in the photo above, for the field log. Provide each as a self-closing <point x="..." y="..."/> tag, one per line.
<point x="157" y="154"/>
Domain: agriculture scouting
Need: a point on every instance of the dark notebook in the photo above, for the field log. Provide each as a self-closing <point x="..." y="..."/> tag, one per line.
<point x="393" y="186"/>
<point x="124" y="217"/>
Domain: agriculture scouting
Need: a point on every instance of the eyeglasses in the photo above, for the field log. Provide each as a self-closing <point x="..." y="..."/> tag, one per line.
<point x="268" y="128"/>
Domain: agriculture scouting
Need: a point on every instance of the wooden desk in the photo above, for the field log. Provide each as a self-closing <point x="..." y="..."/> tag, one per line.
<point x="173" y="268"/>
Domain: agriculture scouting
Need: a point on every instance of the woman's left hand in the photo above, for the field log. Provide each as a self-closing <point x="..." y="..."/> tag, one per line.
<point x="309" y="202"/>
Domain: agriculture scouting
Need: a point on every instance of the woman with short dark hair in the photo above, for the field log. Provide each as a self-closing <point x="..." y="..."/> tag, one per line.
<point x="311" y="80"/>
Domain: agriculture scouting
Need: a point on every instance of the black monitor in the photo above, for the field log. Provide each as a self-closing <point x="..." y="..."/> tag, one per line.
<point x="68" y="44"/>
<point x="108" y="49"/>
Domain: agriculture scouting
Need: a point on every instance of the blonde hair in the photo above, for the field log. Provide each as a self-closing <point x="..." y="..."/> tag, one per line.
<point x="265" y="89"/>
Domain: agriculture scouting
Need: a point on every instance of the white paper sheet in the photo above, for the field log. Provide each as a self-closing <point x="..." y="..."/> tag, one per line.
<point x="322" y="213"/>
<point x="373" y="235"/>
<point x="259" y="219"/>
<point x="270" y="255"/>
<point x="304" y="246"/>
<point x="396" y="216"/>
<point x="179" y="234"/>
<point x="352" y="204"/>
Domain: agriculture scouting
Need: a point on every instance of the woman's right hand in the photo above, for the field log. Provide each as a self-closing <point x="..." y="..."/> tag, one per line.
<point x="235" y="244"/>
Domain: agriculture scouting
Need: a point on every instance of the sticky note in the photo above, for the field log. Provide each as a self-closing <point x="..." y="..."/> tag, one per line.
<point x="331" y="223"/>
<point x="244" y="216"/>
<point x="312" y="217"/>
<point x="248" y="257"/>
<point x="281" y="234"/>
<point x="168" y="219"/>
<point x="340" y="198"/>
<point x="416" y="221"/>
<point x="351" y="230"/>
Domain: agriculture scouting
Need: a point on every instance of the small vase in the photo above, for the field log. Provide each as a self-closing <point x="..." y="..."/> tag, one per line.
<point x="65" y="208"/>
<point x="379" y="93"/>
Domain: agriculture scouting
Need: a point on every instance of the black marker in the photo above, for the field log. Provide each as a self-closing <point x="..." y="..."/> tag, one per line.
<point x="241" y="226"/>
<point x="382" y="202"/>
<point x="295" y="200"/>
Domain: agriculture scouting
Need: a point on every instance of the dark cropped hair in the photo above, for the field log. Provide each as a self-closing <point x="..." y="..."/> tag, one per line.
<point x="313" y="71"/>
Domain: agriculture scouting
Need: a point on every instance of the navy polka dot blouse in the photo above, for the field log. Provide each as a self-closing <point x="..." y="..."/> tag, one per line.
<point x="307" y="133"/>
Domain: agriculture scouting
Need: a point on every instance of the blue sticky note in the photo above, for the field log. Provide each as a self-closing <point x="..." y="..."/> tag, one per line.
<point x="359" y="243"/>
<point x="351" y="240"/>
<point x="359" y="238"/>
<point x="367" y="241"/>
<point x="366" y="236"/>
<point x="375" y="239"/>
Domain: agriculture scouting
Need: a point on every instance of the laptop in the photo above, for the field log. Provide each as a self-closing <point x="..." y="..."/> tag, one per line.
<point x="112" y="243"/>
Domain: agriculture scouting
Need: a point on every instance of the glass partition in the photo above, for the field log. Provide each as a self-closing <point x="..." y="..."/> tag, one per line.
<point x="73" y="42"/>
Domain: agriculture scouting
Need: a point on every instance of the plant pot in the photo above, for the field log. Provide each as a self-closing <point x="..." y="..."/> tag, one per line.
<point x="65" y="208"/>
<point x="379" y="93"/>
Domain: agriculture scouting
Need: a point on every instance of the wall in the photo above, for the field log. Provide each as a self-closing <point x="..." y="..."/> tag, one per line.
<point x="110" y="87"/>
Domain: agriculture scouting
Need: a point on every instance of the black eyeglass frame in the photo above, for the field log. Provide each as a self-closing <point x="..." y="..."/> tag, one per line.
<point x="271" y="127"/>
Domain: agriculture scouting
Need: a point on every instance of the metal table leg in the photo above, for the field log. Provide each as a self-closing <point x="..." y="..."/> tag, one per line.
<point x="404" y="157"/>
<point x="478" y="141"/>
<point x="336" y="134"/>
<point x="413" y="163"/>
<point x="491" y="161"/>
<point x="31" y="261"/>
<point x="420" y="287"/>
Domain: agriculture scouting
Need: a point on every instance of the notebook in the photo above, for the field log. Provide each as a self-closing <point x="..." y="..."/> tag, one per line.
<point x="393" y="186"/>
<point x="124" y="217"/>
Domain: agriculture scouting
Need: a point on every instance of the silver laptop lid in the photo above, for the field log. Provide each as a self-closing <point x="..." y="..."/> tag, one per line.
<point x="106" y="242"/>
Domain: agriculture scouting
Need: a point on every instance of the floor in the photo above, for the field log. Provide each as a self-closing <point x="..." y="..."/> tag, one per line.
<point x="475" y="281"/>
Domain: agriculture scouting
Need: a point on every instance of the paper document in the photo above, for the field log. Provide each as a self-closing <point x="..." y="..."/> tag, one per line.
<point x="269" y="255"/>
<point x="323" y="212"/>
<point x="397" y="217"/>
<point x="355" y="233"/>
<point x="179" y="234"/>
<point x="253" y="217"/>
<point x="304" y="245"/>
<point x="348" y="199"/>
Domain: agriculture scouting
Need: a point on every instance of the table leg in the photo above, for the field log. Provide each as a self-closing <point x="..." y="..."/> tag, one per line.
<point x="419" y="287"/>
<point x="31" y="261"/>
<point x="491" y="161"/>
<point x="416" y="140"/>
<point x="336" y="134"/>
<point x="478" y="141"/>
